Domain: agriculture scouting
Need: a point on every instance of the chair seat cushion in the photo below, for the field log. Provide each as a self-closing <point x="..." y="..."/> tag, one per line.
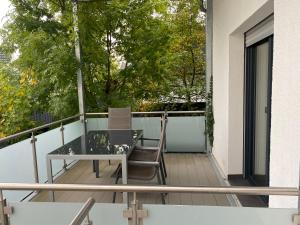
<point x="143" y="155"/>
<point x="137" y="172"/>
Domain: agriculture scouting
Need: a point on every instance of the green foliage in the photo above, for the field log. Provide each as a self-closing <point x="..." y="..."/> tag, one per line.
<point x="15" y="100"/>
<point x="187" y="52"/>
<point x="210" y="114"/>
<point x="133" y="52"/>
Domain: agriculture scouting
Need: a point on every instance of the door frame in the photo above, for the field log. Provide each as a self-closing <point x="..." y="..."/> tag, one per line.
<point x="249" y="110"/>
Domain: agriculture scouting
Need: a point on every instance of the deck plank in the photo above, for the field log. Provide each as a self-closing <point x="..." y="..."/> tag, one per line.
<point x="183" y="170"/>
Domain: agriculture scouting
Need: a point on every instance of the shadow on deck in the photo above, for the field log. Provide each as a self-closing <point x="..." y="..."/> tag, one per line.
<point x="183" y="170"/>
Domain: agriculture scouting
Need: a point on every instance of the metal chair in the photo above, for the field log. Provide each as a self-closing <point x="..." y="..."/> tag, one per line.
<point x="145" y="169"/>
<point x="144" y="153"/>
<point x="119" y="118"/>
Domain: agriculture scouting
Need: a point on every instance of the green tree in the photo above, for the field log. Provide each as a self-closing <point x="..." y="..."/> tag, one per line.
<point x="187" y="51"/>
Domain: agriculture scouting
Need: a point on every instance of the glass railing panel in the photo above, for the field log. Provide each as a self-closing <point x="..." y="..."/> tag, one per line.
<point x="16" y="161"/>
<point x="33" y="213"/>
<point x="149" y="125"/>
<point x="51" y="140"/>
<point x="186" y="134"/>
<point x="73" y="130"/>
<point x="97" y="124"/>
<point x="16" y="165"/>
<point x="151" y="128"/>
<point x="46" y="143"/>
<point x="216" y="215"/>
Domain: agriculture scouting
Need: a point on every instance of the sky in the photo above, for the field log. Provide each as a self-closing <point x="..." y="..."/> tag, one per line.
<point x="4" y="7"/>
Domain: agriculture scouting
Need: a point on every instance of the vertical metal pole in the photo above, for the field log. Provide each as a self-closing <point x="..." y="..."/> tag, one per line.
<point x="299" y="193"/>
<point x="50" y="179"/>
<point x="80" y="84"/>
<point x="88" y="221"/>
<point x="3" y="217"/>
<point x="63" y="143"/>
<point x="209" y="58"/>
<point x="166" y="120"/>
<point x="124" y="177"/>
<point x="34" y="158"/>
<point x="134" y="205"/>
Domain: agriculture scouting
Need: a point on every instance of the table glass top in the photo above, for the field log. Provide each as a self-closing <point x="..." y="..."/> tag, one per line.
<point x="104" y="142"/>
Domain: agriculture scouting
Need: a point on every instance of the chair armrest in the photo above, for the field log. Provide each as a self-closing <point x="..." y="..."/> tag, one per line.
<point x="143" y="163"/>
<point x="138" y="147"/>
<point x="149" y="139"/>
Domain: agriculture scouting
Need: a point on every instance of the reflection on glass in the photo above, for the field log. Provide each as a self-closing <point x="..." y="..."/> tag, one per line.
<point x="101" y="142"/>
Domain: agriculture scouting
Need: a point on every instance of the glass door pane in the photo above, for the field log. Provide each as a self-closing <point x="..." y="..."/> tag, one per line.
<point x="261" y="116"/>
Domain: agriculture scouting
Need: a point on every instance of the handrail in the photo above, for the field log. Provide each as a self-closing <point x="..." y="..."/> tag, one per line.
<point x="284" y="191"/>
<point x="36" y="129"/>
<point x="13" y="136"/>
<point x="151" y="113"/>
<point x="83" y="212"/>
<point x="2" y="140"/>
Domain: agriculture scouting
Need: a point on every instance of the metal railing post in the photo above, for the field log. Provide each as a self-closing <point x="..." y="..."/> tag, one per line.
<point x="135" y="213"/>
<point x="34" y="158"/>
<point x="296" y="217"/>
<point x="165" y="141"/>
<point x="3" y="216"/>
<point x="63" y="142"/>
<point x="84" y="213"/>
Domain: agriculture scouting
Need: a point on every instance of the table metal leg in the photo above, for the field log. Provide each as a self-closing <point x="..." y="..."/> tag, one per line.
<point x="97" y="168"/>
<point x="50" y="179"/>
<point x="124" y="177"/>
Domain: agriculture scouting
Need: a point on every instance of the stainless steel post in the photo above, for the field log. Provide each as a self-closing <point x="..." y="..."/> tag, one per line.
<point x="166" y="120"/>
<point x="80" y="83"/>
<point x="34" y="158"/>
<point x="3" y="217"/>
<point x="83" y="213"/>
<point x="63" y="143"/>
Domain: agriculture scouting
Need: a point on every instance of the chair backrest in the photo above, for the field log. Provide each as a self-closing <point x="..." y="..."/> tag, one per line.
<point x="119" y="118"/>
<point x="162" y="138"/>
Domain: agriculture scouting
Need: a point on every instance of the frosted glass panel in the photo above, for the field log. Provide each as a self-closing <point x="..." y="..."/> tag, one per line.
<point x="34" y="213"/>
<point x="105" y="213"/>
<point x="216" y="215"/>
<point x="260" y="109"/>
<point x="46" y="143"/>
<point x="16" y="165"/>
<point x="97" y="124"/>
<point x="186" y="134"/>
<point x="73" y="130"/>
<point x="151" y="128"/>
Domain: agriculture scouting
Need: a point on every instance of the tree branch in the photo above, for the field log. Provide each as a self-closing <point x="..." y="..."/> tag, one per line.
<point x="202" y="7"/>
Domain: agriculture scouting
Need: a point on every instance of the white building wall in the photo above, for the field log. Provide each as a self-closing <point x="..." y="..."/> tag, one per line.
<point x="285" y="130"/>
<point x="231" y="18"/>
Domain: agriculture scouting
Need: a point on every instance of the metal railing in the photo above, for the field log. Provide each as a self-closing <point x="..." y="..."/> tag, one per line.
<point x="284" y="191"/>
<point x="61" y="123"/>
<point x="84" y="213"/>
<point x="131" y="210"/>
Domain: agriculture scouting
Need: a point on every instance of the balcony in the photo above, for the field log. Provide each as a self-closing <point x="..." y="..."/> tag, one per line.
<point x="195" y="189"/>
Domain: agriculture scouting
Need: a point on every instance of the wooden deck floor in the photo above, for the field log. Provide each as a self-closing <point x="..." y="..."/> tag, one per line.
<point x="183" y="170"/>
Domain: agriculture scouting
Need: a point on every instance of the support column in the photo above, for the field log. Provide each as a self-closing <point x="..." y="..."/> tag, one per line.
<point x="80" y="83"/>
<point x="209" y="54"/>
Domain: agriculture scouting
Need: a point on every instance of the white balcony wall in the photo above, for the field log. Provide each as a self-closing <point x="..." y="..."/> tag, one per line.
<point x="231" y="19"/>
<point x="285" y="130"/>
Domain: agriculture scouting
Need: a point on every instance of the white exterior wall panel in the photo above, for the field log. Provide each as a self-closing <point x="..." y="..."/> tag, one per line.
<point x="231" y="19"/>
<point x="285" y="130"/>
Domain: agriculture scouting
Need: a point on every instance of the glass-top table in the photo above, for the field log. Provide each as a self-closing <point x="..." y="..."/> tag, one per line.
<point x="97" y="145"/>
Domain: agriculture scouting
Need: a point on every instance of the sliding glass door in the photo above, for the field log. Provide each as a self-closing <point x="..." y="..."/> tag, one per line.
<point x="258" y="84"/>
